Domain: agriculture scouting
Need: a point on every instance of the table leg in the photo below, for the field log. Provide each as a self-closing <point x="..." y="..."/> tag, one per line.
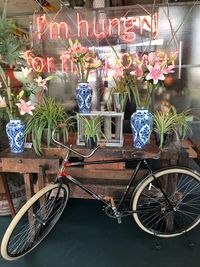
<point x="41" y="177"/>
<point x="8" y="195"/>
<point x="28" y="185"/>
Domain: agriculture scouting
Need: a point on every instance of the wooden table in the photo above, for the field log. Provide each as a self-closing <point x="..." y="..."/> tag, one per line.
<point x="108" y="177"/>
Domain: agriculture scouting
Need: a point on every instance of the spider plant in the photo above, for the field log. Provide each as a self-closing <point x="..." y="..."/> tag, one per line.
<point x="92" y="129"/>
<point x="47" y="115"/>
<point x="171" y="124"/>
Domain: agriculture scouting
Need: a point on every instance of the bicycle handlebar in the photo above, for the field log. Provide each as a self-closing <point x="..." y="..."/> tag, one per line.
<point x="69" y="147"/>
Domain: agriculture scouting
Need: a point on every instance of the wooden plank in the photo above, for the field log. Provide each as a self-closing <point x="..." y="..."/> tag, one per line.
<point x="29" y="165"/>
<point x="115" y="166"/>
<point x="192" y="153"/>
<point x="104" y="191"/>
<point x="190" y="147"/>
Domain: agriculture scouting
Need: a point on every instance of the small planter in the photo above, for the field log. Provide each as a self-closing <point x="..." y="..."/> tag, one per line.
<point x="90" y="143"/>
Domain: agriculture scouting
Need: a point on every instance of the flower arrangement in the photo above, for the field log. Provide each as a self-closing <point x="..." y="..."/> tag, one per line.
<point x="150" y="69"/>
<point x="16" y="102"/>
<point x="120" y="88"/>
<point x="84" y="59"/>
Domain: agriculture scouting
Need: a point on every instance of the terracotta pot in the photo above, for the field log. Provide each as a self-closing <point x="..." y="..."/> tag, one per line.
<point x="15" y="83"/>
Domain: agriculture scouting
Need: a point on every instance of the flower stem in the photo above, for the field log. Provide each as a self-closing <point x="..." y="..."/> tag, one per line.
<point x="150" y="89"/>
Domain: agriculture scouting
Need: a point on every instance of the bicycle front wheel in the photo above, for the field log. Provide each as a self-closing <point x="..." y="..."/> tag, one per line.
<point x="181" y="213"/>
<point x="34" y="221"/>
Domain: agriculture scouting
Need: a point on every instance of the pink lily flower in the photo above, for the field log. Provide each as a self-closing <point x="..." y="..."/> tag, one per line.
<point x="152" y="58"/>
<point x="168" y="69"/>
<point x="25" y="107"/>
<point x="0" y="84"/>
<point x="119" y="73"/>
<point x="41" y="82"/>
<point x="137" y="72"/>
<point x="93" y="63"/>
<point x="155" y="73"/>
<point x="2" y="102"/>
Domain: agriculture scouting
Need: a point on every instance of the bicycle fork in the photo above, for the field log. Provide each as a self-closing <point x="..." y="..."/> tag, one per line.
<point x="160" y="187"/>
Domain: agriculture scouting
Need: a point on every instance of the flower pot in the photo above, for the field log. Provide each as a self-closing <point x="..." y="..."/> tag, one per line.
<point x="15" y="83"/>
<point x="90" y="142"/>
<point x="15" y="132"/>
<point x="120" y="100"/>
<point x="141" y="125"/>
<point x="84" y="97"/>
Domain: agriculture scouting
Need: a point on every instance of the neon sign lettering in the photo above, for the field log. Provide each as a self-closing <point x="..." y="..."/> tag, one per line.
<point x="124" y="28"/>
<point x="48" y="64"/>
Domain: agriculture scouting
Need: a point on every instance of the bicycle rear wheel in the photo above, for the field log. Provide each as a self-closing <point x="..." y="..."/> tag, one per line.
<point x="34" y="221"/>
<point x="155" y="215"/>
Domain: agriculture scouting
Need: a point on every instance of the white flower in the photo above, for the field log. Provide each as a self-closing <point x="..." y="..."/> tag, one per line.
<point x="26" y="71"/>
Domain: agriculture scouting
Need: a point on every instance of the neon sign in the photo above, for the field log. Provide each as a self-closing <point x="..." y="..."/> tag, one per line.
<point x="124" y="28"/>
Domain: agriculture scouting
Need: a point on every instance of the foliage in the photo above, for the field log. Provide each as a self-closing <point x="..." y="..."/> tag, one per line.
<point x="171" y="123"/>
<point x="84" y="59"/>
<point x="9" y="42"/>
<point x="92" y="127"/>
<point x="3" y="120"/>
<point x="47" y="115"/>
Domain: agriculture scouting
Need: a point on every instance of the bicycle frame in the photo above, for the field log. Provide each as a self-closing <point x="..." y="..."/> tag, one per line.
<point x="65" y="164"/>
<point x="63" y="175"/>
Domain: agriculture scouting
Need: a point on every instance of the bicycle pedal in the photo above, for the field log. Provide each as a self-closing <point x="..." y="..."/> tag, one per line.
<point x="191" y="244"/>
<point x="158" y="246"/>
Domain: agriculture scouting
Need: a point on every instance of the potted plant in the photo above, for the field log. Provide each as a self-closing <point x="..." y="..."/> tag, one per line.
<point x="85" y="61"/>
<point x="17" y="107"/>
<point x="91" y="129"/>
<point x="47" y="115"/>
<point x="171" y="125"/>
<point x="148" y="70"/>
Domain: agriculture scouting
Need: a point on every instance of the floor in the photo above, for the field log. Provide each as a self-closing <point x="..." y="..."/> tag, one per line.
<point x="85" y="237"/>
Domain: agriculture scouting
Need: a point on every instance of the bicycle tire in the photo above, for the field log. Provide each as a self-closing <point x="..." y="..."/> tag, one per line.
<point x="38" y="217"/>
<point x="153" y="213"/>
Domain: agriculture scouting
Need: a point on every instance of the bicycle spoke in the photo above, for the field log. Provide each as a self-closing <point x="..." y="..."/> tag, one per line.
<point x="37" y="220"/>
<point x="182" y="188"/>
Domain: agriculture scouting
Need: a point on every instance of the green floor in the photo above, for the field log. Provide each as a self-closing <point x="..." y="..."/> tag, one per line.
<point x="85" y="237"/>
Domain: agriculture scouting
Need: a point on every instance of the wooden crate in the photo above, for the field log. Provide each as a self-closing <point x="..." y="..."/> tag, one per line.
<point x="112" y="128"/>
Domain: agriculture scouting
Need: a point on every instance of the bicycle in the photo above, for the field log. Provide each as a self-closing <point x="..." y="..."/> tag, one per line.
<point x="165" y="203"/>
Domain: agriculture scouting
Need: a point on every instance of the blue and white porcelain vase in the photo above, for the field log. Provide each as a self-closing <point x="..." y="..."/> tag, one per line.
<point x="15" y="132"/>
<point x="141" y="125"/>
<point x="84" y="97"/>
